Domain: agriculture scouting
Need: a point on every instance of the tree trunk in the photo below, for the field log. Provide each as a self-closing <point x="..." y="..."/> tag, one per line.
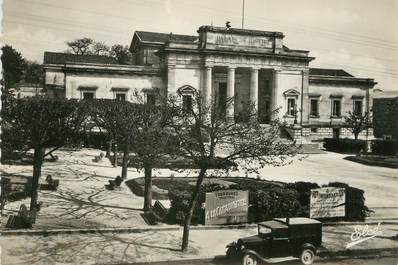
<point x="115" y="155"/>
<point x="125" y="162"/>
<point x="109" y="151"/>
<point x="356" y="136"/>
<point x="148" y="188"/>
<point x="194" y="201"/>
<point x="37" y="164"/>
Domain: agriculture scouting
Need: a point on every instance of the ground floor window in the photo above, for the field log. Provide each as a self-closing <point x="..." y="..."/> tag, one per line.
<point x="187" y="103"/>
<point x="357" y="107"/>
<point x="336" y="107"/>
<point x="88" y="94"/>
<point x="120" y="96"/>
<point x="291" y="106"/>
<point x="151" y="99"/>
<point x="314" y="108"/>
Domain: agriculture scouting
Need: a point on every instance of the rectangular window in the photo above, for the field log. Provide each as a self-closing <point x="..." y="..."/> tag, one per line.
<point x="314" y="108"/>
<point x="336" y="108"/>
<point x="120" y="96"/>
<point x="187" y="103"/>
<point x="358" y="107"/>
<point x="291" y="106"/>
<point x="314" y="130"/>
<point x="88" y="95"/>
<point x="151" y="99"/>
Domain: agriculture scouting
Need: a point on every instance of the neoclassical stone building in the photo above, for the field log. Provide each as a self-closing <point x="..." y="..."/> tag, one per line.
<point x="249" y="66"/>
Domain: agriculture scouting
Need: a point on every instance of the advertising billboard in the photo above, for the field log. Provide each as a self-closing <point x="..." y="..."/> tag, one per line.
<point x="327" y="202"/>
<point x="226" y="207"/>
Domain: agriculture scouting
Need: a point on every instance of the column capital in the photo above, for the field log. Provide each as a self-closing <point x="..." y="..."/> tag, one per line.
<point x="231" y="67"/>
<point x="255" y="69"/>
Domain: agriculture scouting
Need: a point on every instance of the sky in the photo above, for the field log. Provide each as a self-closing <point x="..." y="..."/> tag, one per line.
<point x="360" y="36"/>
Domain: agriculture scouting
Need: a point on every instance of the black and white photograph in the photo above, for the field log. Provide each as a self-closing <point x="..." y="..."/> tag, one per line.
<point x="203" y="132"/>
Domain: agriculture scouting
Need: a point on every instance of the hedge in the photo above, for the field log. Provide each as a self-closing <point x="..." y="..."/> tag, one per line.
<point x="268" y="201"/>
<point x="96" y="140"/>
<point x="344" y="145"/>
<point x="384" y="147"/>
<point x="355" y="208"/>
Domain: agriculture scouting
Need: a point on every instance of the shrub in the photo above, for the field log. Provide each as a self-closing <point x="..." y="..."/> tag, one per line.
<point x="344" y="145"/>
<point x="355" y="208"/>
<point x="266" y="205"/>
<point x="180" y="199"/>
<point x="96" y="140"/>
<point x="384" y="147"/>
<point x="304" y="193"/>
<point x="267" y="200"/>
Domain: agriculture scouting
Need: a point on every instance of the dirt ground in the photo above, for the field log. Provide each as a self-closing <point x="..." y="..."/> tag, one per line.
<point x="82" y="201"/>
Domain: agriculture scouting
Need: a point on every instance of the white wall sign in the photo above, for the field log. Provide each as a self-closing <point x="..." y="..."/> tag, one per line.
<point x="327" y="202"/>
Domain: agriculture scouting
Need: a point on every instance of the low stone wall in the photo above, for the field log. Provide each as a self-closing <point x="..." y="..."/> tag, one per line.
<point x="327" y="132"/>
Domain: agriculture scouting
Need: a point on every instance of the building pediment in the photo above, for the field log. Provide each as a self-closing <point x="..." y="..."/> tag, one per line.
<point x="186" y="89"/>
<point x="291" y="93"/>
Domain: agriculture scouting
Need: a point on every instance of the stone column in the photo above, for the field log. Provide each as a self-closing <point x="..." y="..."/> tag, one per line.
<point x="208" y="86"/>
<point x="274" y="93"/>
<point x="230" y="93"/>
<point x="254" y="89"/>
<point x="305" y="100"/>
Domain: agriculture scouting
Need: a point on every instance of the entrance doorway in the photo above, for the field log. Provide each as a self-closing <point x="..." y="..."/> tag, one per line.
<point x="264" y="101"/>
<point x="222" y="98"/>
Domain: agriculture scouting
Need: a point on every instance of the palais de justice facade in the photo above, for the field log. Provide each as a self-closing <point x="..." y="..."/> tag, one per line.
<point x="248" y="65"/>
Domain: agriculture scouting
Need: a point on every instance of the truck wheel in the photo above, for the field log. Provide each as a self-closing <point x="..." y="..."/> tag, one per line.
<point x="307" y="256"/>
<point x="249" y="259"/>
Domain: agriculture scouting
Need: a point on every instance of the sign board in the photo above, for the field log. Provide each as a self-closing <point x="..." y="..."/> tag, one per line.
<point x="327" y="202"/>
<point x="234" y="40"/>
<point x="226" y="207"/>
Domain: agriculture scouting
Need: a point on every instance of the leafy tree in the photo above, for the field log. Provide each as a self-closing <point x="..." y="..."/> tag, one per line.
<point x="13" y="65"/>
<point x="121" y="53"/>
<point x="356" y="122"/>
<point x="119" y="119"/>
<point x="100" y="48"/>
<point x="81" y="46"/>
<point x="209" y="140"/>
<point x="44" y="125"/>
<point x="33" y="73"/>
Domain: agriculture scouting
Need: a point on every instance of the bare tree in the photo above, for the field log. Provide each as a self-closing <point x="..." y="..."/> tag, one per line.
<point x="209" y="140"/>
<point x="357" y="122"/>
<point x="81" y="46"/>
<point x="44" y="125"/>
<point x="152" y="142"/>
<point x="119" y="119"/>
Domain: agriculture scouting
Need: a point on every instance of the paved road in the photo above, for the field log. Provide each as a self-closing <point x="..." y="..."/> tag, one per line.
<point x="378" y="261"/>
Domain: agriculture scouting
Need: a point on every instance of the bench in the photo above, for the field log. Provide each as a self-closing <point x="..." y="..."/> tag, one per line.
<point x="51" y="184"/>
<point x="98" y="158"/>
<point x="157" y="214"/>
<point x="114" y="183"/>
<point x="21" y="220"/>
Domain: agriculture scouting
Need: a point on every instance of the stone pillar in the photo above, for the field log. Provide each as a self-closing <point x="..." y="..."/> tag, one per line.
<point x="208" y="86"/>
<point x="171" y="80"/>
<point x="254" y="89"/>
<point x="305" y="100"/>
<point x="274" y="94"/>
<point x="230" y="93"/>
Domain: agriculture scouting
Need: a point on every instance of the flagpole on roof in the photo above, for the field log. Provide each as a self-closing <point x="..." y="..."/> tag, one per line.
<point x="243" y="13"/>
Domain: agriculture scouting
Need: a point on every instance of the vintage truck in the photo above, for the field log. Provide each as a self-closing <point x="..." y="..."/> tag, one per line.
<point x="281" y="237"/>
